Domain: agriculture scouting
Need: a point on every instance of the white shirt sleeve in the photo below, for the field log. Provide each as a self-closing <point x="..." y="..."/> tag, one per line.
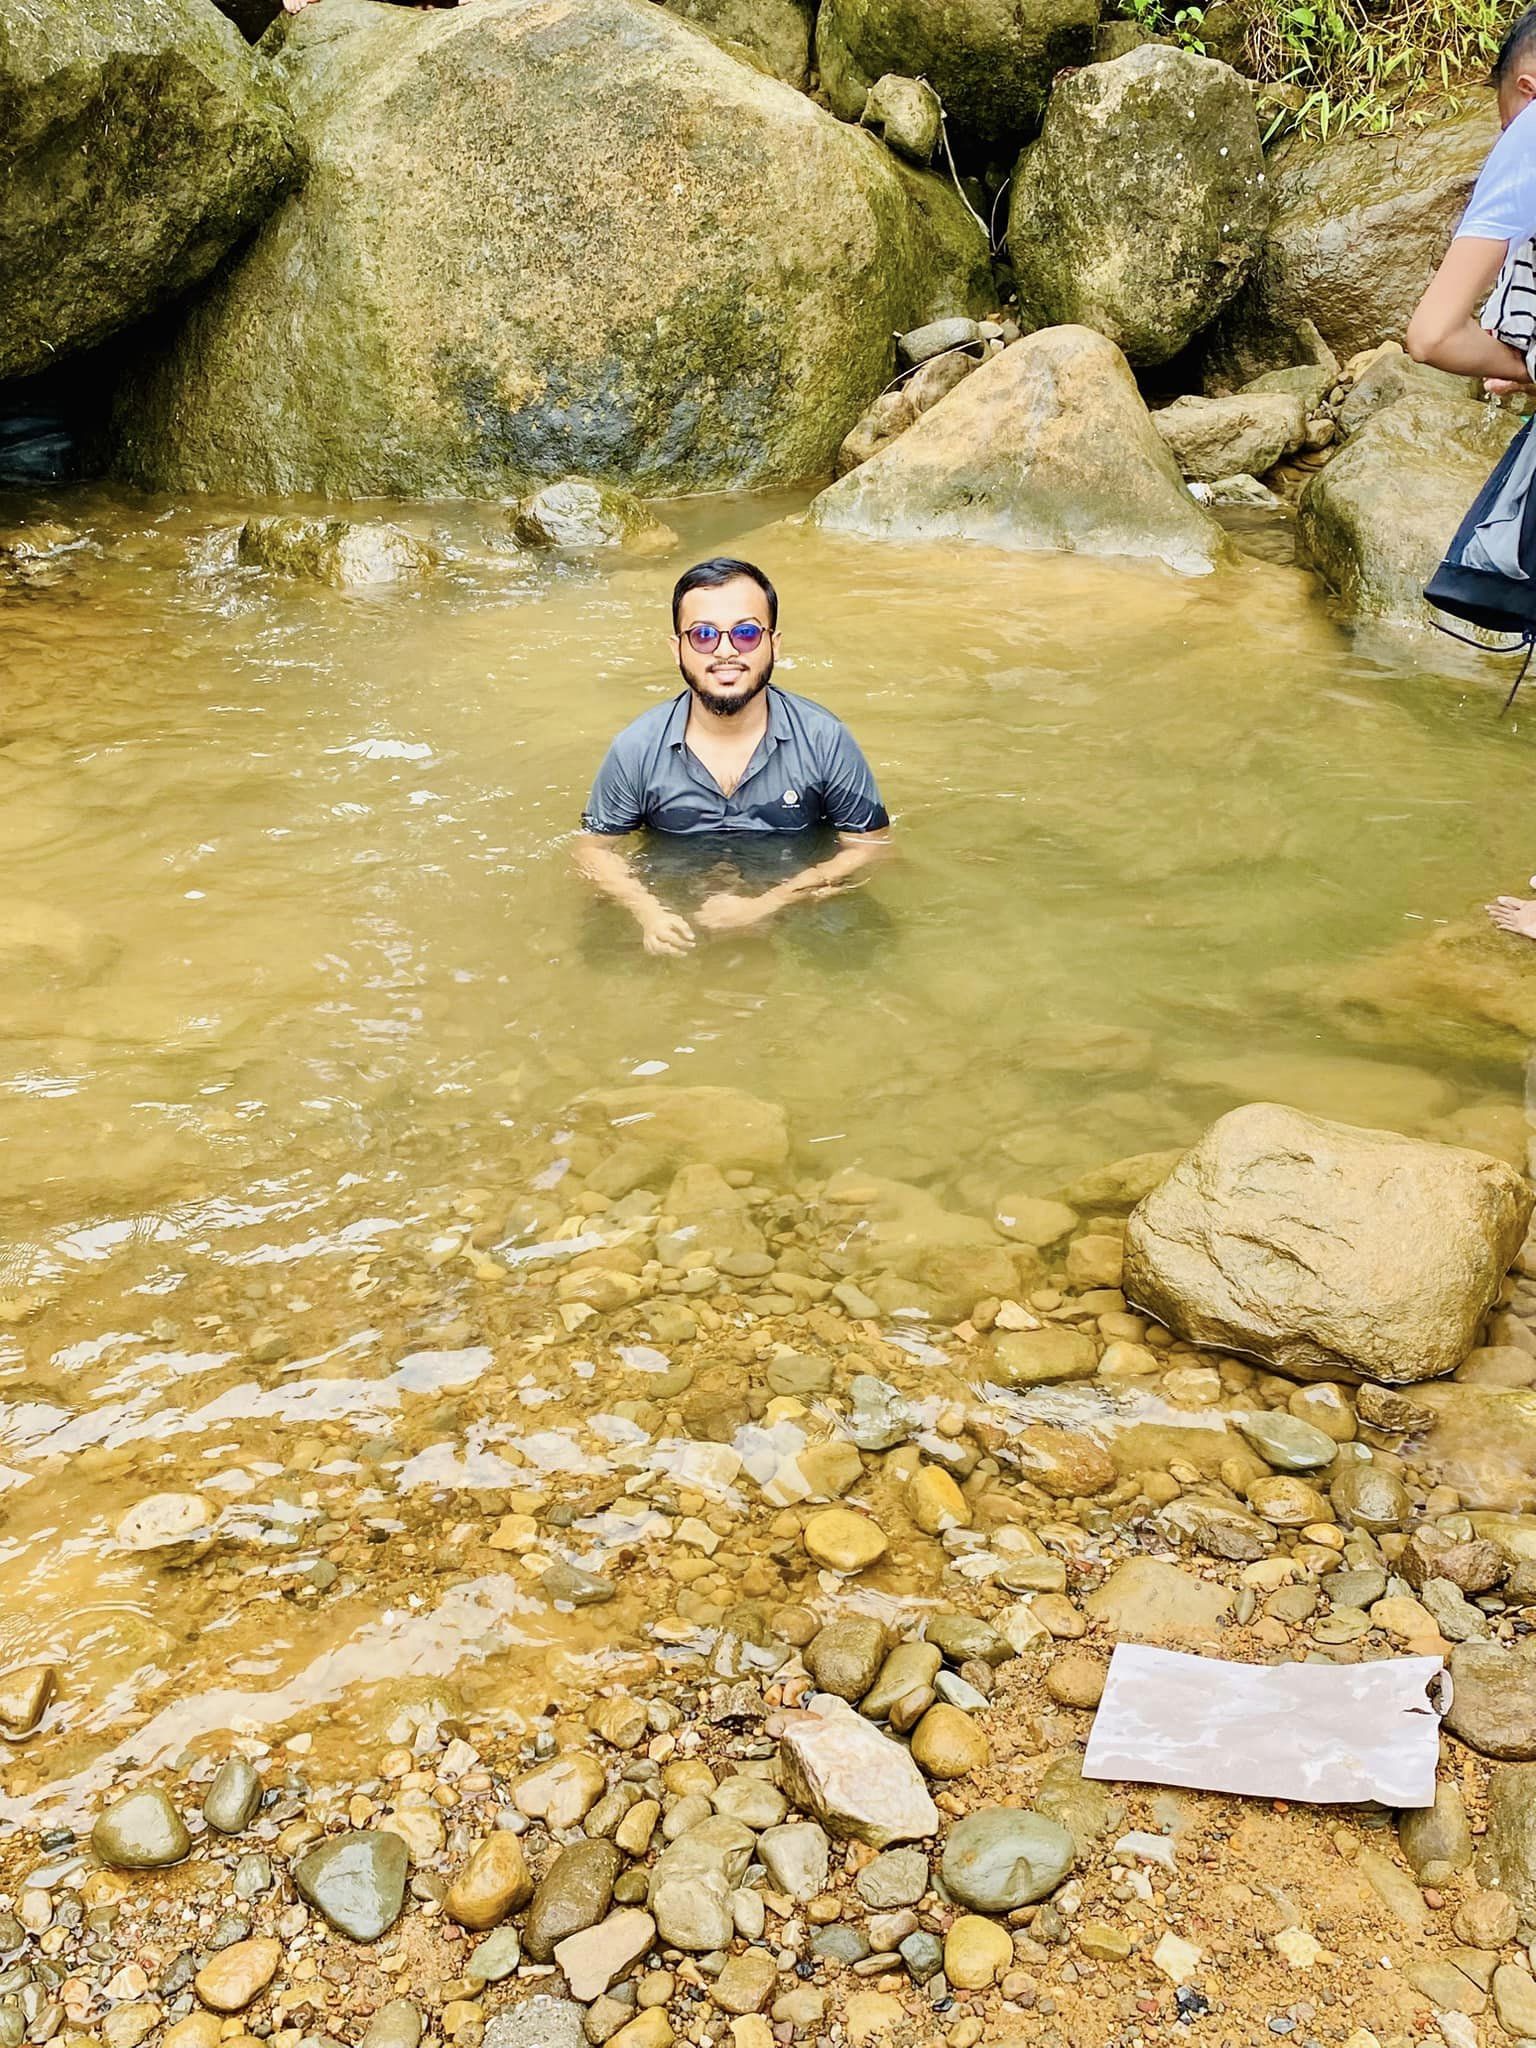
<point x="1503" y="203"/>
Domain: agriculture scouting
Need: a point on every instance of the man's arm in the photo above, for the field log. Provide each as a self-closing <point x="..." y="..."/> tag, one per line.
<point x="1444" y="330"/>
<point x="607" y="867"/>
<point x="857" y="852"/>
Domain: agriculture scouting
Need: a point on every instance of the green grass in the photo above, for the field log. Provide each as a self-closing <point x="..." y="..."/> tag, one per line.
<point x="1361" y="64"/>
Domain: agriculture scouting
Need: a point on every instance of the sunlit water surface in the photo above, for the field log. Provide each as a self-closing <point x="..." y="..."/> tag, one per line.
<point x="296" y="971"/>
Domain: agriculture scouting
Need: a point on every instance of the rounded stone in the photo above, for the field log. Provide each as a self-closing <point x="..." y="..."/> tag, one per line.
<point x="1076" y="1679"/>
<point x="843" y="1541"/>
<point x="1487" y="1919"/>
<point x="356" y="1881"/>
<point x="948" y="1744"/>
<point x="163" y="1520"/>
<point x="1327" y="1407"/>
<point x="228" y="1981"/>
<point x="1287" y="1501"/>
<point x="976" y="1952"/>
<point x="1031" y="1220"/>
<point x="897" y="1877"/>
<point x="1366" y="1496"/>
<point x="935" y="1502"/>
<point x="1005" y="1856"/>
<point x="574" y="1893"/>
<point x="1287" y="1443"/>
<point x="846" y="1656"/>
<point x="230" y="1803"/>
<point x="141" y="1832"/>
<point x="1063" y="1462"/>
<point x="493" y="1883"/>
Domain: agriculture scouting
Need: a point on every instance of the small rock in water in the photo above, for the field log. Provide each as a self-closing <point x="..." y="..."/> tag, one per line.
<point x="963" y="1636"/>
<point x="141" y="1832"/>
<point x="163" y="1520"/>
<point x="230" y="1803"/>
<point x="879" y="1417"/>
<point x="1286" y="1442"/>
<point x="1365" y="1496"/>
<point x="846" y="1655"/>
<point x="24" y="1697"/>
<point x="844" y="1541"/>
<point x="1003" y="1857"/>
<point x="356" y="1880"/>
<point x="575" y="1585"/>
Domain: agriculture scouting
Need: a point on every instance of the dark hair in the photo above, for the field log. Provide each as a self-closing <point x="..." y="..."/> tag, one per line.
<point x="725" y="569"/>
<point x="1520" y="42"/>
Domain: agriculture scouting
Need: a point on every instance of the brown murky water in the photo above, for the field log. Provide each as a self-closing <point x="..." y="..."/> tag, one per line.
<point x="298" y="988"/>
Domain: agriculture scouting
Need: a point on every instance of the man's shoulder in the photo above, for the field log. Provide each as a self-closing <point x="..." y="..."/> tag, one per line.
<point x="647" y="730"/>
<point x="811" y="718"/>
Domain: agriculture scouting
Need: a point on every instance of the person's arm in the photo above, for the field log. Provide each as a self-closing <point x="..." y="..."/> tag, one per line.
<point x="1444" y="330"/>
<point x="856" y="853"/>
<point x="607" y="867"/>
<point x="615" y="809"/>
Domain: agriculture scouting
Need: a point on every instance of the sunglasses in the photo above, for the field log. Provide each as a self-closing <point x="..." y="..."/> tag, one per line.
<point x="744" y="637"/>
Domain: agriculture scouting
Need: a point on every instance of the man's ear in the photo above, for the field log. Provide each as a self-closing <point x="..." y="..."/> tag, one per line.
<point x="1525" y="85"/>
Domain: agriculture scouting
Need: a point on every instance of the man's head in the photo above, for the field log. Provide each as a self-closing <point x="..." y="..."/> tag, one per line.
<point x="709" y="601"/>
<point x="1514" y="69"/>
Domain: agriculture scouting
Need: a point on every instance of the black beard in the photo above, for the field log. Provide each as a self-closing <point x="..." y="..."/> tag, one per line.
<point x="728" y="707"/>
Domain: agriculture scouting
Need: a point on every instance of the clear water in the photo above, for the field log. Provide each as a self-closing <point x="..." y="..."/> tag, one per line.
<point x="296" y="971"/>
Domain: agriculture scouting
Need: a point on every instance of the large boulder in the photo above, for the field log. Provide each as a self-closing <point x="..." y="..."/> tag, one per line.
<point x="1142" y="208"/>
<point x="139" y="139"/>
<point x="1046" y="446"/>
<point x="1462" y="990"/>
<point x="1244" y="434"/>
<point x="1359" y="224"/>
<point x="990" y="61"/>
<point x="547" y="238"/>
<point x="773" y="35"/>
<point x="1326" y="1251"/>
<point x="1377" y="520"/>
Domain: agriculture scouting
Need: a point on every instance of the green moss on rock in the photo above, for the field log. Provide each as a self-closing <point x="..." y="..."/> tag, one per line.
<point x="540" y="240"/>
<point x="137" y="144"/>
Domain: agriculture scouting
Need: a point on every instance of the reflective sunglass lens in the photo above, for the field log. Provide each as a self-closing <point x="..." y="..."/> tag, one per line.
<point x="703" y="639"/>
<point x="746" y="636"/>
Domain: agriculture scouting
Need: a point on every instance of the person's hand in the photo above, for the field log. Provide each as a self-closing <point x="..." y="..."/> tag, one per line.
<point x="726" y="912"/>
<point x="1508" y="387"/>
<point x="662" y="931"/>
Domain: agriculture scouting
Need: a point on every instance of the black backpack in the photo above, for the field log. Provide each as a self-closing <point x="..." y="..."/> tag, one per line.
<point x="1488" y="577"/>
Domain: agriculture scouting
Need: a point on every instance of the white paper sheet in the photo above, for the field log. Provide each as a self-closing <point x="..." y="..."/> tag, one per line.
<point x="1323" y="1733"/>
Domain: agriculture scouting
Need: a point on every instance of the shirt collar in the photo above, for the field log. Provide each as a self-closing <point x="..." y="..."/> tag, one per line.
<point x="677" y="721"/>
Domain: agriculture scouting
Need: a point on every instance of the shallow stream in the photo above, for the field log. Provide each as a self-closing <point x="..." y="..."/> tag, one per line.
<point x="298" y="985"/>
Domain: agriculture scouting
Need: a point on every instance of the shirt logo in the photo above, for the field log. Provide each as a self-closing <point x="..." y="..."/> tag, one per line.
<point x="791" y="796"/>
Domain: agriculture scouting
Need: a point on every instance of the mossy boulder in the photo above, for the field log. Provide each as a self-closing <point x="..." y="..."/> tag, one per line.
<point x="348" y="554"/>
<point x="991" y="62"/>
<point x="1359" y="225"/>
<point x="772" y="35"/>
<point x="1046" y="446"/>
<point x="544" y="238"/>
<point x="578" y="515"/>
<point x="138" y="142"/>
<point x="1142" y="208"/>
<point x="1377" y="520"/>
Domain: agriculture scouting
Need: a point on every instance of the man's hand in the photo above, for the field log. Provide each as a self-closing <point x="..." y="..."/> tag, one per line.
<point x="662" y="931"/>
<point x="726" y="912"/>
<point x="1507" y="387"/>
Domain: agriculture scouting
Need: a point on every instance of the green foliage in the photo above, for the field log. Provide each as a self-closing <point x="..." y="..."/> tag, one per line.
<point x="1336" y="64"/>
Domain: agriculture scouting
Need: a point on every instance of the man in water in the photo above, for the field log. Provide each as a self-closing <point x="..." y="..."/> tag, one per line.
<point x="1478" y="317"/>
<point x="733" y="757"/>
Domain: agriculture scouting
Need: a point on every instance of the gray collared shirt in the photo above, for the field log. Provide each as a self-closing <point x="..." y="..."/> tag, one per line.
<point x="806" y="772"/>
